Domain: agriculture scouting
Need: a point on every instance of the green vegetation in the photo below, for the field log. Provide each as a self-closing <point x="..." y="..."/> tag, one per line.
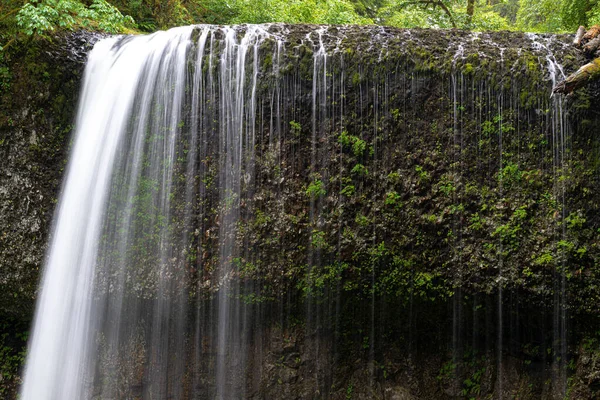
<point x="316" y="188"/>
<point x="47" y="15"/>
<point x="25" y="18"/>
<point x="13" y="336"/>
<point x="38" y="17"/>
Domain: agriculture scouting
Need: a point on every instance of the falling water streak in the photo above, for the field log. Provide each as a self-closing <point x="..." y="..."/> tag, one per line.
<point x="165" y="306"/>
<point x="64" y="324"/>
<point x="456" y="298"/>
<point x="559" y="132"/>
<point x="500" y="243"/>
<point x="115" y="297"/>
<point x="338" y="289"/>
<point x="560" y="137"/>
<point x="500" y="256"/>
<point x="197" y="144"/>
<point x="374" y="264"/>
<point x="236" y="124"/>
<point x="319" y="112"/>
<point x="457" y="96"/>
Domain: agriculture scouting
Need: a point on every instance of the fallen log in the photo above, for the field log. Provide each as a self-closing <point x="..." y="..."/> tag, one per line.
<point x="579" y="36"/>
<point x="583" y="76"/>
<point x="589" y="42"/>
<point x="590" y="47"/>
<point x="592" y="33"/>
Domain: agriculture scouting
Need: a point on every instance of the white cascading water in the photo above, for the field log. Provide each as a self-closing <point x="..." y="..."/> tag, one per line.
<point x="116" y="279"/>
<point x="141" y="292"/>
<point x="61" y="358"/>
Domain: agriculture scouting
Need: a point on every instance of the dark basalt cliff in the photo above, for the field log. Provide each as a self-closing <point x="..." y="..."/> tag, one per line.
<point x="446" y="204"/>
<point x="40" y="87"/>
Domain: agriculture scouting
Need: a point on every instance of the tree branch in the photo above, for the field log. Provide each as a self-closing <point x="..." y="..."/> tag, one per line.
<point x="434" y="3"/>
<point x="7" y="44"/>
<point x="3" y="17"/>
<point x="448" y="13"/>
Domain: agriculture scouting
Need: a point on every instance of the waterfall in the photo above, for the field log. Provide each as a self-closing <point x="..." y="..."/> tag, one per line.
<point x="62" y="357"/>
<point x="118" y="266"/>
<point x="247" y="208"/>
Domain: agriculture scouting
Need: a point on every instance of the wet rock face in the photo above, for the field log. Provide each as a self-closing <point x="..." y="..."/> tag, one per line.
<point x="401" y="187"/>
<point x="38" y="102"/>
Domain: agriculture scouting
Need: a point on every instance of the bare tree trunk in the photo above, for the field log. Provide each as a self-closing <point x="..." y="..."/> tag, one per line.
<point x="470" y="9"/>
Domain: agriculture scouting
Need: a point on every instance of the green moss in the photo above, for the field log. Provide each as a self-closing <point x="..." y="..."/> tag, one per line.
<point x="468" y="69"/>
<point x="267" y="62"/>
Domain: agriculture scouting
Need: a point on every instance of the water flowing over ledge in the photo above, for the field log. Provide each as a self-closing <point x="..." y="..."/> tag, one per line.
<point x="228" y="179"/>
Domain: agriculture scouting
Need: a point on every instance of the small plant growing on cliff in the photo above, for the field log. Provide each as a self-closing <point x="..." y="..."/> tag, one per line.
<point x="447" y="371"/>
<point x="362" y="220"/>
<point x="348" y="190"/>
<point x="345" y="139"/>
<point x="392" y="199"/>
<point x="423" y="175"/>
<point x="295" y="128"/>
<point x="446" y="186"/>
<point x="360" y="170"/>
<point x="356" y="144"/>
<point x="472" y="385"/>
<point x="318" y="239"/>
<point x="575" y="221"/>
<point x="358" y="147"/>
<point x="316" y="189"/>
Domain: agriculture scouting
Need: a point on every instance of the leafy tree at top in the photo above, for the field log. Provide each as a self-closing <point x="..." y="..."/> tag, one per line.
<point x="540" y="15"/>
<point x="40" y="16"/>
<point x="46" y="15"/>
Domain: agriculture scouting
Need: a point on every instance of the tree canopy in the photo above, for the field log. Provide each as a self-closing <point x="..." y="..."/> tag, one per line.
<point x="29" y="17"/>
